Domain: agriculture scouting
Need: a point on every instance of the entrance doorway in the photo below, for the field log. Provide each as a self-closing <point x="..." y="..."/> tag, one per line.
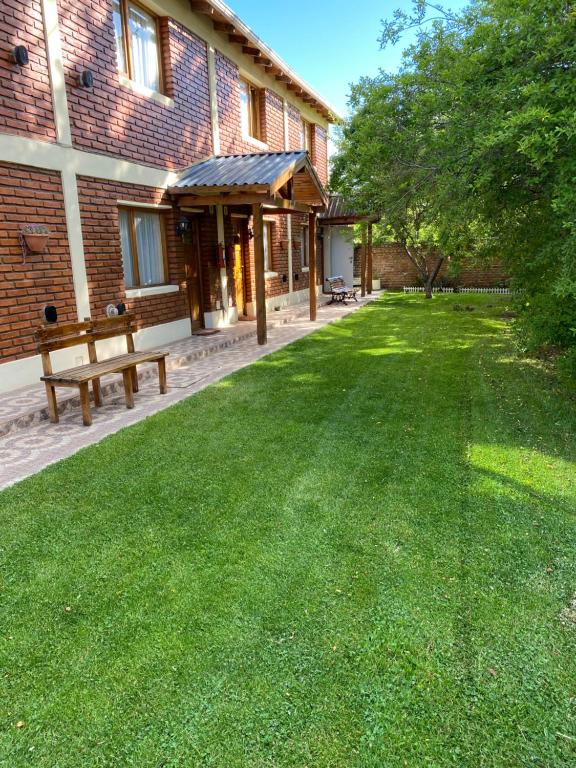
<point x="194" y="275"/>
<point x="240" y="235"/>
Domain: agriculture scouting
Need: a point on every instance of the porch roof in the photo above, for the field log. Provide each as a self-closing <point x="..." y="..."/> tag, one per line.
<point x="281" y="177"/>
<point x="339" y="211"/>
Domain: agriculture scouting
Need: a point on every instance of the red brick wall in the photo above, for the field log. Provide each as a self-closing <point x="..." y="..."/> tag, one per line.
<point x="25" y="93"/>
<point x="320" y="153"/>
<point x="395" y="270"/>
<point x="111" y="118"/>
<point x="30" y="196"/>
<point x="273" y="121"/>
<point x="294" y="128"/>
<point x="99" y="214"/>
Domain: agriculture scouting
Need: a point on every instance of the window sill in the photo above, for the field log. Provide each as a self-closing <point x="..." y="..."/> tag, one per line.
<point x="152" y="290"/>
<point x="148" y="93"/>
<point x="255" y="142"/>
<point x="270" y="274"/>
<point x="305" y="269"/>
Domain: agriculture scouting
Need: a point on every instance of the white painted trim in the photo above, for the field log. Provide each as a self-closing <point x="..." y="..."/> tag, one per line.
<point x="283" y="300"/>
<point x="239" y="216"/>
<point x="255" y="142"/>
<point x="22" y="373"/>
<point x="136" y="204"/>
<point x="305" y="269"/>
<point x="147" y="93"/>
<point x="212" y="89"/>
<point x="286" y="123"/>
<point x="55" y="157"/>
<point x="220" y="319"/>
<point x="56" y="71"/>
<point x="76" y="243"/>
<point x="270" y="274"/>
<point x="152" y="290"/>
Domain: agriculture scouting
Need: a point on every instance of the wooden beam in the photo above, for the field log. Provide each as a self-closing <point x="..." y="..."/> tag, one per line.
<point x="223" y="26"/>
<point x="258" y="229"/>
<point x="369" y="260"/>
<point x="282" y="78"/>
<point x="312" y="264"/>
<point x="201" y="6"/>
<point x="234" y="38"/>
<point x="363" y="261"/>
<point x="251" y="50"/>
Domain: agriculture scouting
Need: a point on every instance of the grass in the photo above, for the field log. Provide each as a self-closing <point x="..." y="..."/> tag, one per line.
<point x="359" y="552"/>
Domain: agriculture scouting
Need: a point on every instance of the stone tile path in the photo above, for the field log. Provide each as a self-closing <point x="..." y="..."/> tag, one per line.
<point x="29" y="442"/>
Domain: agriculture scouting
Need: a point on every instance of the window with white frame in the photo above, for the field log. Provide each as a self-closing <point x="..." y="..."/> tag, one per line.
<point x="267" y="243"/>
<point x="137" y="45"/>
<point x="306" y="135"/>
<point x="143" y="247"/>
<point x="304" y="247"/>
<point x="250" y="110"/>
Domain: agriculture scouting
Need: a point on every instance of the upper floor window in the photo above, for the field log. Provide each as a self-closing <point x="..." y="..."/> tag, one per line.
<point x="250" y="110"/>
<point x="137" y="46"/>
<point x="306" y="129"/>
<point x="143" y="247"/>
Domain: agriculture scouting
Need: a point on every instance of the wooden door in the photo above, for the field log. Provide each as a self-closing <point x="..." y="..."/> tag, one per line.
<point x="239" y="226"/>
<point x="194" y="275"/>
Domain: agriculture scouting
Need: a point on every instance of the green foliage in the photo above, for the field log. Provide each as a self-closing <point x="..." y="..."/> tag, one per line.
<point x="472" y="144"/>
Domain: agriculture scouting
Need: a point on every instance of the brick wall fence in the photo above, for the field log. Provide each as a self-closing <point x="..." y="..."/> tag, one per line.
<point x="395" y="270"/>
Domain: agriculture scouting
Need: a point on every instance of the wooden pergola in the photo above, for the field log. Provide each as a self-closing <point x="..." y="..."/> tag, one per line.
<point x="339" y="213"/>
<point x="270" y="183"/>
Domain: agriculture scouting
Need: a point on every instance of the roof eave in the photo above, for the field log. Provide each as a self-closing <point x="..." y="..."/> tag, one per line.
<point x="228" y="14"/>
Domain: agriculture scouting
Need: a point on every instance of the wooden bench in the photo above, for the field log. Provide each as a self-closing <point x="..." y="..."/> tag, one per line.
<point x="65" y="335"/>
<point x="339" y="290"/>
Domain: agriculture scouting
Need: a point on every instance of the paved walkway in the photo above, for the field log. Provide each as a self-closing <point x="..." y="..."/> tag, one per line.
<point x="29" y="442"/>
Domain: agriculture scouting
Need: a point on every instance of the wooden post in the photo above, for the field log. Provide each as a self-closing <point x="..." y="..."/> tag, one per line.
<point x="312" y="263"/>
<point x="369" y="260"/>
<point x="258" y="227"/>
<point x="363" y="261"/>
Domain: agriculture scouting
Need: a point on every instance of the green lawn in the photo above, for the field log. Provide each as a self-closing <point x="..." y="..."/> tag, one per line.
<point x="359" y="552"/>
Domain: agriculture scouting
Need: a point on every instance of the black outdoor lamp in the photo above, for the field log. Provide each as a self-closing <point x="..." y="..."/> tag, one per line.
<point x="182" y="226"/>
<point x="20" y="55"/>
<point x="86" y="79"/>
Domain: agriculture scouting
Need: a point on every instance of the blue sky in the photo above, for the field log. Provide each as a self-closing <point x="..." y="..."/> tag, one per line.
<point x="330" y="43"/>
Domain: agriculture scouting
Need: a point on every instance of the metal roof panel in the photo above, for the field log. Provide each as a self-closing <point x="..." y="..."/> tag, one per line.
<point x="237" y="170"/>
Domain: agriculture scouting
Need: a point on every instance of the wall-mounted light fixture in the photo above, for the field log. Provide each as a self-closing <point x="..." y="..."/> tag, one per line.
<point x="86" y="79"/>
<point x="182" y="226"/>
<point x="20" y="56"/>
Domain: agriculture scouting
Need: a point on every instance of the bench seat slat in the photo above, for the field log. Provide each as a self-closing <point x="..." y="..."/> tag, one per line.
<point x="84" y="373"/>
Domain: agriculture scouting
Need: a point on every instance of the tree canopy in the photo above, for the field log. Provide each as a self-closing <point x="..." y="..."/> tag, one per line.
<point x="471" y="145"/>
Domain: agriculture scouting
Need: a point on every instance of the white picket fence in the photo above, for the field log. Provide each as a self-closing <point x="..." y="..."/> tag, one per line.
<point x="420" y="289"/>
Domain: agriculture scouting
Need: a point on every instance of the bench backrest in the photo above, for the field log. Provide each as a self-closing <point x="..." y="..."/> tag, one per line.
<point x="336" y="282"/>
<point x="50" y="338"/>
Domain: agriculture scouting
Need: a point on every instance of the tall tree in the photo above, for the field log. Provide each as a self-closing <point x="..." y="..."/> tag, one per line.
<point x="478" y="130"/>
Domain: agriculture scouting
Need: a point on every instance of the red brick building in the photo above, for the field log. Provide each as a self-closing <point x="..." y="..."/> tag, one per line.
<point x="103" y="105"/>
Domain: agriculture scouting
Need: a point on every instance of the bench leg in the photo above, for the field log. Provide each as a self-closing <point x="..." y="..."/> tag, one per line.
<point x="162" y="376"/>
<point x="97" y="389"/>
<point x="85" y="403"/>
<point x="128" y="384"/>
<point x="52" y="404"/>
<point x="134" y="380"/>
